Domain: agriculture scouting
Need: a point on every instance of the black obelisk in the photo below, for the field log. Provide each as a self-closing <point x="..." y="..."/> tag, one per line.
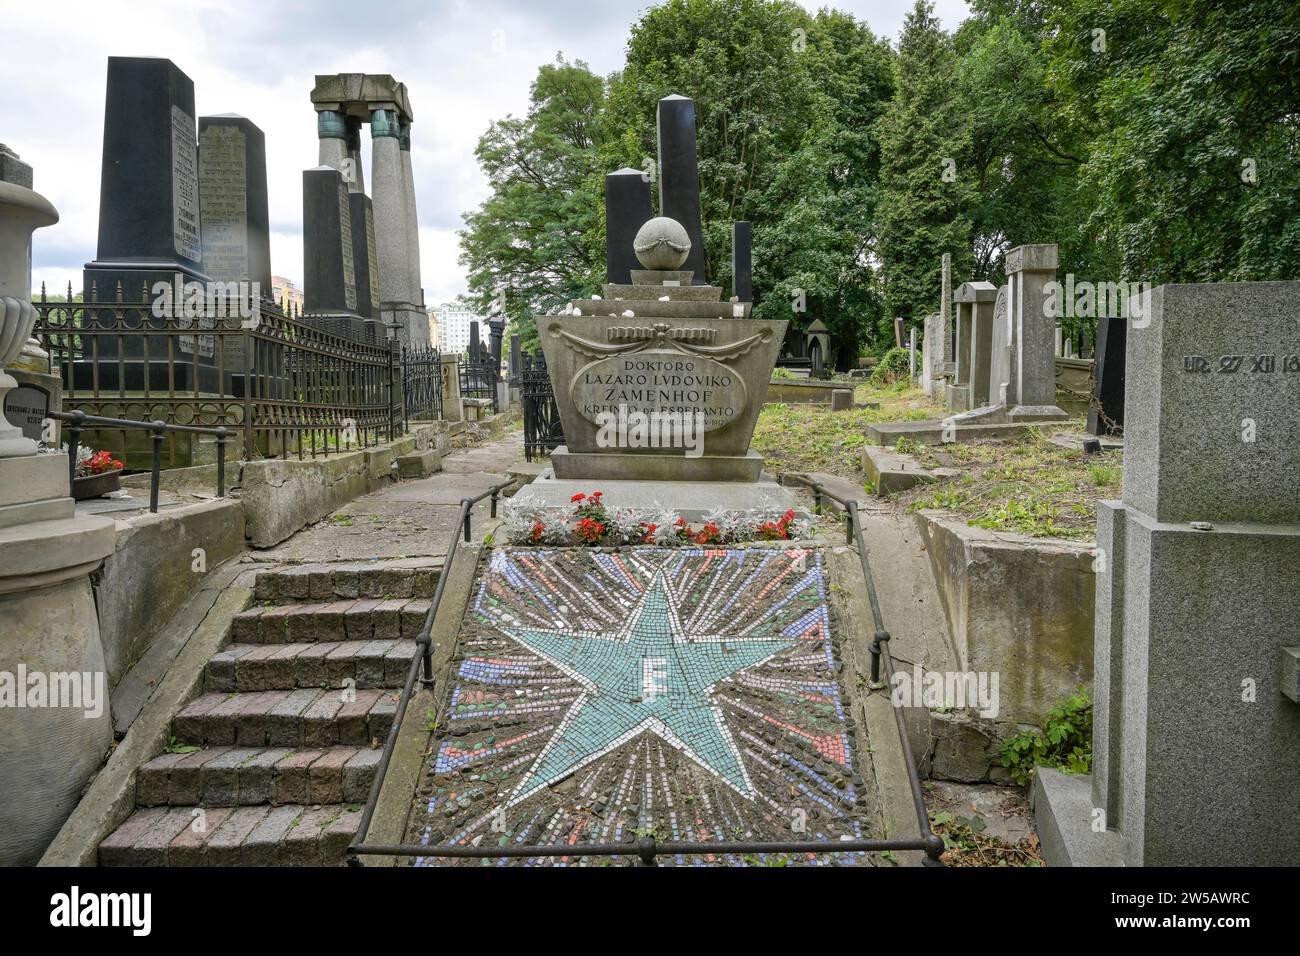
<point x="627" y="209"/>
<point x="679" y="176"/>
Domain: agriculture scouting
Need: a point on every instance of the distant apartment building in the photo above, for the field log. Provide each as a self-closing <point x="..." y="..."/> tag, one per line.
<point x="286" y="294"/>
<point x="453" y="322"/>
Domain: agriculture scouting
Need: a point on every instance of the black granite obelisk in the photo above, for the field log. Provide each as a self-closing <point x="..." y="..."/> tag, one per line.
<point x="235" y="229"/>
<point x="742" y="270"/>
<point x="679" y="176"/>
<point x="329" y="275"/>
<point x="627" y="209"/>
<point x="1106" y="409"/>
<point x="149" y="231"/>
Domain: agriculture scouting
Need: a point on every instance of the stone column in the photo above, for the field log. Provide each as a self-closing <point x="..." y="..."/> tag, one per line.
<point x="332" y="132"/>
<point x="975" y="307"/>
<point x="1197" y="690"/>
<point x="356" y="179"/>
<point x="947" y="358"/>
<point x="391" y="229"/>
<point x="627" y="209"/>
<point x="415" y="289"/>
<point x="55" y="725"/>
<point x="1033" y="363"/>
<point x="1106" y="407"/>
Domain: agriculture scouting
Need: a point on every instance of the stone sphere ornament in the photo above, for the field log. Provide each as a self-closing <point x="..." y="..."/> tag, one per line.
<point x="662" y="244"/>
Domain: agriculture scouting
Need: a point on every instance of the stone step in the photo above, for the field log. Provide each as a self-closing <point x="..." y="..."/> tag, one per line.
<point x="307" y="717"/>
<point x="662" y="310"/>
<point x="337" y="582"/>
<point x="651" y="293"/>
<point x="364" y="619"/>
<point x="254" y="667"/>
<point x="245" y="776"/>
<point x="263" y="835"/>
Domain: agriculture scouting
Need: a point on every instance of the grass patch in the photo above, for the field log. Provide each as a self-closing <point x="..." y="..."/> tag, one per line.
<point x="1027" y="486"/>
<point x="813" y="438"/>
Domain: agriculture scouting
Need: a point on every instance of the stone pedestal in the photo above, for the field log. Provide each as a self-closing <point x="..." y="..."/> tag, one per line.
<point x="1198" y="587"/>
<point x="50" y="654"/>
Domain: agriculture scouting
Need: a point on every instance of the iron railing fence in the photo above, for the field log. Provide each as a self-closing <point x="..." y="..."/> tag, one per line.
<point x="79" y="421"/>
<point x="421" y="384"/>
<point x="285" y="385"/>
<point x="646" y="849"/>
<point x="543" y="431"/>
<point x="479" y="380"/>
<point x="880" y="652"/>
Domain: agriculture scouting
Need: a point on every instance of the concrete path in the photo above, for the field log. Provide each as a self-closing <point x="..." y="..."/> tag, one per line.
<point x="909" y="599"/>
<point x="411" y="519"/>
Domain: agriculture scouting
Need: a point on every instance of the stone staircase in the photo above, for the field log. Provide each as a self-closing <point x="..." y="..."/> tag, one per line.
<point x="271" y="762"/>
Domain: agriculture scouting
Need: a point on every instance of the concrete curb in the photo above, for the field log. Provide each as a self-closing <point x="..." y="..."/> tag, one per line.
<point x="881" y="753"/>
<point x="396" y="797"/>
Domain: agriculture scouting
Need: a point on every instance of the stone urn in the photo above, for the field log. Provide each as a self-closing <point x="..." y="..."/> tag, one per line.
<point x="22" y="212"/>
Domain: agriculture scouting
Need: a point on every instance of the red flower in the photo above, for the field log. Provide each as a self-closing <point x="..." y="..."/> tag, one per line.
<point x="578" y="497"/>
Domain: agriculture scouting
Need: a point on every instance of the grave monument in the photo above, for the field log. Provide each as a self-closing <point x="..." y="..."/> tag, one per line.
<point x="1197" y="656"/>
<point x="659" y="381"/>
<point x="385" y="243"/>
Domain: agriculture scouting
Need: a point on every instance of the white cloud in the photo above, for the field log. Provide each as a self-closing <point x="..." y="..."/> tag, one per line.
<point x="464" y="63"/>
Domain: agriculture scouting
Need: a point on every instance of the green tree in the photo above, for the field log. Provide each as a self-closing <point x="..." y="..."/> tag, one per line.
<point x="537" y="241"/>
<point x="926" y="194"/>
<point x="1190" y="110"/>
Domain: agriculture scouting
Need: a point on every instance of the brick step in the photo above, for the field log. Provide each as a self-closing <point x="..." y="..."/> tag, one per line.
<point x="289" y="835"/>
<point x="342" y="582"/>
<point x="321" y="664"/>
<point x="247" y="776"/>
<point x="308" y="717"/>
<point x="366" y="619"/>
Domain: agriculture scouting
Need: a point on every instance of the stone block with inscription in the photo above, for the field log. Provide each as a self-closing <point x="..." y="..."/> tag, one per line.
<point x="150" y="225"/>
<point x="1198" y="584"/>
<point x="708" y="373"/>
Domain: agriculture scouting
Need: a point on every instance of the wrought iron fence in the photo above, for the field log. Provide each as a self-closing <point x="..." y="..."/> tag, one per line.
<point x="421" y="383"/>
<point x="478" y="379"/>
<point x="287" y="385"/>
<point x="543" y="431"/>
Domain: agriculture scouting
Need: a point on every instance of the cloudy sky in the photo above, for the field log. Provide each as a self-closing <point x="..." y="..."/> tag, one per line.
<point x="465" y="63"/>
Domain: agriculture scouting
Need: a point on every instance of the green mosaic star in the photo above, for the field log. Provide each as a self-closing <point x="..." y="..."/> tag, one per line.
<point x="648" y="676"/>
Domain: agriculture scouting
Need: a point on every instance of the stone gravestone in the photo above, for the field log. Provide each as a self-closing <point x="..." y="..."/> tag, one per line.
<point x="679" y="175"/>
<point x="1031" y="359"/>
<point x="1003" y="346"/>
<point x="974" y="319"/>
<point x="1106" y="407"/>
<point x="1198" y="593"/>
<point x="627" y="209"/>
<point x="149" y="223"/>
<point x="329" y="277"/>
<point x="235" y="226"/>
<point x="742" y="269"/>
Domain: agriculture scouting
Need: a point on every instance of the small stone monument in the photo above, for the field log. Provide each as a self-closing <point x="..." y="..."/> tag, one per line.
<point x="1197" y="701"/>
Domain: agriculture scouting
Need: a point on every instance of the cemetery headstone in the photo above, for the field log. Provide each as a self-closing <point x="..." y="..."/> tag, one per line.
<point x="1106" y="405"/>
<point x="1198" y="591"/>
<point x="329" y="277"/>
<point x="742" y="270"/>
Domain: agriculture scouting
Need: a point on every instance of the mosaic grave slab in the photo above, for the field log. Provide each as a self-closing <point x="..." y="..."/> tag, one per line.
<point x="689" y="694"/>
